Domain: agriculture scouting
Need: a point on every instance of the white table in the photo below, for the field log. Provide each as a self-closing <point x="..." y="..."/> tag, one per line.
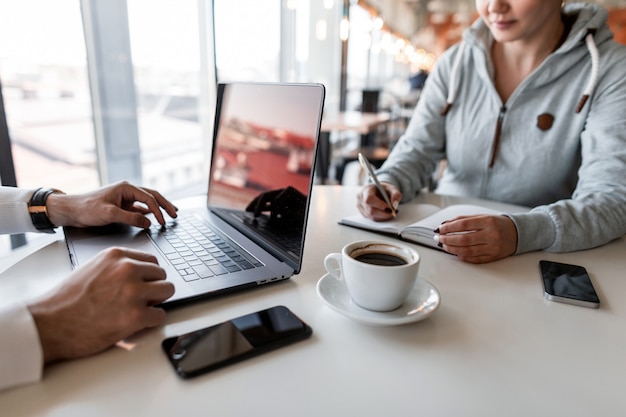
<point x="495" y="347"/>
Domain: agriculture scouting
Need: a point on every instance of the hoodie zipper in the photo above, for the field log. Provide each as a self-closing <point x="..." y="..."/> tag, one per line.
<point x="496" y="137"/>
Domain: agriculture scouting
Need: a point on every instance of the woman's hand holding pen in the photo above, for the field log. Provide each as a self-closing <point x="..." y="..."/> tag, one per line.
<point x="372" y="205"/>
<point x="478" y="239"/>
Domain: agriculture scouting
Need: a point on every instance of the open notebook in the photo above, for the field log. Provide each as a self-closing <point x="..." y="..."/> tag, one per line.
<point x="417" y="222"/>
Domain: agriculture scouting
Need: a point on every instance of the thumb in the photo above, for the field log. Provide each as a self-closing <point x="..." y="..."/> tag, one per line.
<point x="395" y="197"/>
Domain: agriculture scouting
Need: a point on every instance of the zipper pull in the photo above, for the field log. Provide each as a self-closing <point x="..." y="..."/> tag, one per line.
<point x="496" y="137"/>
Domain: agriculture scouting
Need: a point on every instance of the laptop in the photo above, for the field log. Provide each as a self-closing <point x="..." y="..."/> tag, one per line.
<point x="251" y="231"/>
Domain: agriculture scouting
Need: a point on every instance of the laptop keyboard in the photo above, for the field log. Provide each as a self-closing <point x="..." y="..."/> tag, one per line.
<point x="197" y="252"/>
<point x="288" y="240"/>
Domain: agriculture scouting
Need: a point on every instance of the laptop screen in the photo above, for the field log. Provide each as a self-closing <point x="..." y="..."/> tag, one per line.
<point x="263" y="158"/>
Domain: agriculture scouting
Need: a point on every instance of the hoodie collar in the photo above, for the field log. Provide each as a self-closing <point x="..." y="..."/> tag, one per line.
<point x="589" y="27"/>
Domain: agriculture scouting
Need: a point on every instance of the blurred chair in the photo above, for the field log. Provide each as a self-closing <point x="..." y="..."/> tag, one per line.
<point x="369" y="104"/>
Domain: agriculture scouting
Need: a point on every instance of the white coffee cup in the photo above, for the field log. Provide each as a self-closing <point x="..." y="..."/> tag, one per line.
<point x="379" y="275"/>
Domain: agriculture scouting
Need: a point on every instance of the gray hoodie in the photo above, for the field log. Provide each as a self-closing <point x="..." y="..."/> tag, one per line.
<point x="544" y="148"/>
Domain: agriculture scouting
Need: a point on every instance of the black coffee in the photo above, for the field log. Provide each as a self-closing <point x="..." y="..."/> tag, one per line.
<point x="378" y="258"/>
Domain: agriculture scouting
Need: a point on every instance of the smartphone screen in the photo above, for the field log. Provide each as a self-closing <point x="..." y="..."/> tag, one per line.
<point x="213" y="347"/>
<point x="568" y="284"/>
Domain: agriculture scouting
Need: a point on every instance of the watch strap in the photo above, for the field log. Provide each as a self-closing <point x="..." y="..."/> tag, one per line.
<point x="38" y="211"/>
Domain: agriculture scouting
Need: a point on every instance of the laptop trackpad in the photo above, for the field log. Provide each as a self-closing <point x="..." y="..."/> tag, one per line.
<point x="93" y="241"/>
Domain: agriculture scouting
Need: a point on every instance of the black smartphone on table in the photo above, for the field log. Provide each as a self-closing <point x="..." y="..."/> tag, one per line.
<point x="232" y="341"/>
<point x="568" y="283"/>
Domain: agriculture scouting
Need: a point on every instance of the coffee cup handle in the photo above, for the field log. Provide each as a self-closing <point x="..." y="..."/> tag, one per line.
<point x="332" y="262"/>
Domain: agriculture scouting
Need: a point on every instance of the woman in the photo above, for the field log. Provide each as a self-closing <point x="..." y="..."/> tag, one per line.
<point x="528" y="109"/>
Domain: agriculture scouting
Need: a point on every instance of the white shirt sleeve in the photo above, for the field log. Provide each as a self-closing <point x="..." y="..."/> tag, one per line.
<point x="14" y="216"/>
<point x="21" y="356"/>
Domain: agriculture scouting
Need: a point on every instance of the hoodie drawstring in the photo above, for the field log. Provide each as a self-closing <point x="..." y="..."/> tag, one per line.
<point x="595" y="67"/>
<point x="453" y="75"/>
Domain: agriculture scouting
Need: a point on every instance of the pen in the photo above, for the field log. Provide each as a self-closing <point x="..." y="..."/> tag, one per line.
<point x="370" y="171"/>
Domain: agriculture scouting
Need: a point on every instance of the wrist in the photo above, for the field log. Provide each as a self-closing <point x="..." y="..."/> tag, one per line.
<point x="60" y="211"/>
<point x="45" y="331"/>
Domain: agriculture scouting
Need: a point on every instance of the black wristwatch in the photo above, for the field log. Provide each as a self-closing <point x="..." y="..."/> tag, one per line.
<point x="38" y="211"/>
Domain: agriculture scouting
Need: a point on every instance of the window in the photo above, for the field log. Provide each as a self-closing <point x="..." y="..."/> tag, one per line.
<point x="283" y="41"/>
<point x="161" y="78"/>
<point x="46" y="92"/>
<point x="253" y="53"/>
<point x="377" y="60"/>
<point x="173" y="70"/>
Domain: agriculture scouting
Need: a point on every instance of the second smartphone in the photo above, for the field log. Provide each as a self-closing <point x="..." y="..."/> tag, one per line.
<point x="214" y="347"/>
<point x="568" y="283"/>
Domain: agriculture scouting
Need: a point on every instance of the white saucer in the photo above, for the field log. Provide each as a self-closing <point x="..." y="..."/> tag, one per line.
<point x="422" y="302"/>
